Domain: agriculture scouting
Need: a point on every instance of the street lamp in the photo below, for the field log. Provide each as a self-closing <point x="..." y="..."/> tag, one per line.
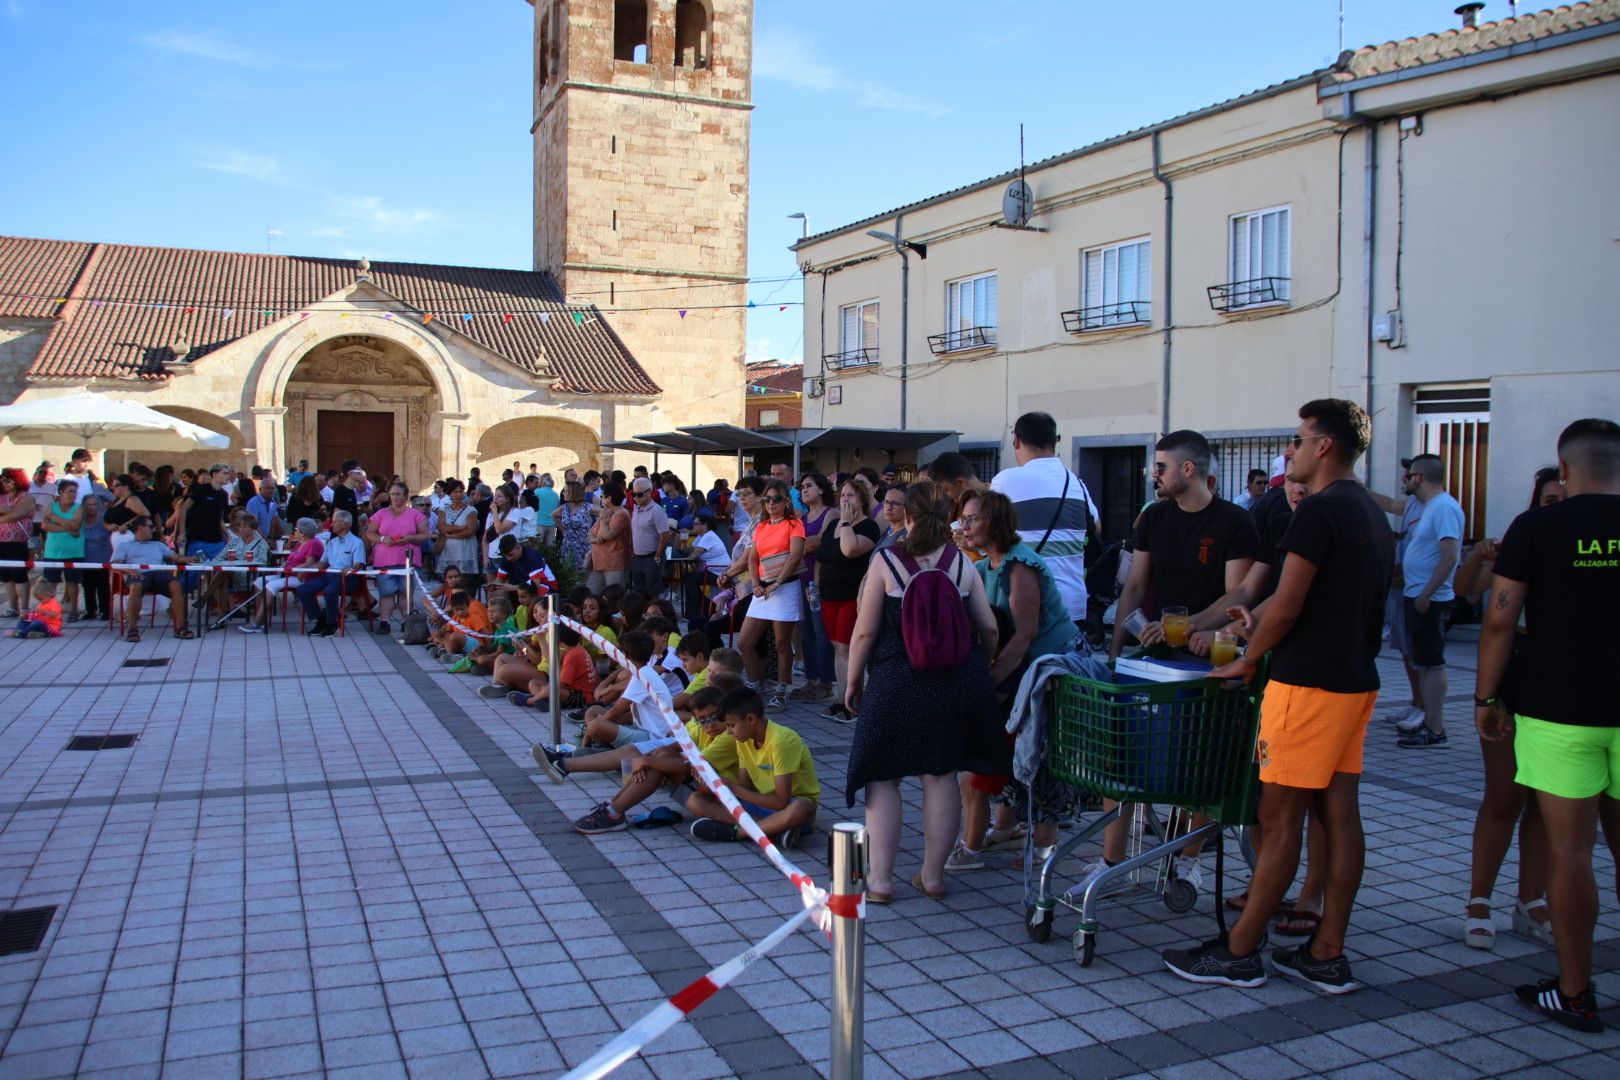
<point x="901" y="247"/>
<point x="804" y="223"/>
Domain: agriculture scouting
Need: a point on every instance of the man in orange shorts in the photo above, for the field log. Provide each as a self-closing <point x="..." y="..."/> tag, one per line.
<point x="1323" y="627"/>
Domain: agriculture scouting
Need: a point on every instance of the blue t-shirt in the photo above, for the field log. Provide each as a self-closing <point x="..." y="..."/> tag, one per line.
<point x="1442" y="520"/>
<point x="549" y="500"/>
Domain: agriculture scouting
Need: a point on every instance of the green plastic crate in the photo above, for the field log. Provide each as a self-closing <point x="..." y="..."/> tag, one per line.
<point x="1178" y="744"/>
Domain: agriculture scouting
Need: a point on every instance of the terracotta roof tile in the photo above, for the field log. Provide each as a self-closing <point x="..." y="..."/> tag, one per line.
<point x="766" y="378"/>
<point x="127" y="305"/>
<point x="1432" y="48"/>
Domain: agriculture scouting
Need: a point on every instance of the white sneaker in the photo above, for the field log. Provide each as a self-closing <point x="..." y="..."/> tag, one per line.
<point x="1093" y="870"/>
<point x="1188" y="869"/>
<point x="1411" y="724"/>
<point x="1405" y="719"/>
<point x="962" y="860"/>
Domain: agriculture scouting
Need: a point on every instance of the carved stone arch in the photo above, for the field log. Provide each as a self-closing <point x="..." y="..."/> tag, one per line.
<point x="550" y="441"/>
<point x="269" y="385"/>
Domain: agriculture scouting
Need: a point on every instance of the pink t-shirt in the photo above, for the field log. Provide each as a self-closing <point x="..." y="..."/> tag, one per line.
<point x="388" y="523"/>
<point x="303" y="553"/>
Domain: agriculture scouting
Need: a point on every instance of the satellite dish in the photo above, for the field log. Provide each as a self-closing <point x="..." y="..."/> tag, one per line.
<point x="1016" y="204"/>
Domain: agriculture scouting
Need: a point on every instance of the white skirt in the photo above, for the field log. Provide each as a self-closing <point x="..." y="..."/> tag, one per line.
<point x="783" y="605"/>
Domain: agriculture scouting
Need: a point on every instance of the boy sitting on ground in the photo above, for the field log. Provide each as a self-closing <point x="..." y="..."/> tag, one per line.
<point x="577" y="678"/>
<point x="664" y="657"/>
<point x="649" y="765"/>
<point x="693" y="655"/>
<point x="452" y="640"/>
<point x="482" y="657"/>
<point x="635" y="716"/>
<point x="776" y="778"/>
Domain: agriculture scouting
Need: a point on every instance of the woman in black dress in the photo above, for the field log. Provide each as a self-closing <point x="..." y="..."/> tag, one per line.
<point x="911" y="724"/>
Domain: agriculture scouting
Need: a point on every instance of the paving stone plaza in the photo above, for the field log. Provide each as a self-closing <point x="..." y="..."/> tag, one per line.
<point x="329" y="858"/>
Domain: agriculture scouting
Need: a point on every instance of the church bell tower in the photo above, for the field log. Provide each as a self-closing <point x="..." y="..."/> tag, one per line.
<point x="641" y="128"/>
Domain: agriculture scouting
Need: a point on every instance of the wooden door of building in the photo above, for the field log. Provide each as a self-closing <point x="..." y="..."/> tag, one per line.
<point x="365" y="436"/>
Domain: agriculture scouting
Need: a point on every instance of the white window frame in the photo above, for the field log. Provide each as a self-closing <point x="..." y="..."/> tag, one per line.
<point x="770" y="418"/>
<point x="846" y="348"/>
<point x="956" y="326"/>
<point x="1111" y="292"/>
<point x="1255" y="267"/>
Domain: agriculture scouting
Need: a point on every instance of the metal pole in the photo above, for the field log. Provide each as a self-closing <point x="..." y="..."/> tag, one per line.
<point x="410" y="592"/>
<point x="554" y="673"/>
<point x="849" y="954"/>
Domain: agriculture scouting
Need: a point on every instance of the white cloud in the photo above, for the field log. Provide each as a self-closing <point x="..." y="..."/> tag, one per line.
<point x="380" y="217"/>
<point x="790" y="59"/>
<point x="234" y="161"/>
<point x="759" y="349"/>
<point x="203" y="45"/>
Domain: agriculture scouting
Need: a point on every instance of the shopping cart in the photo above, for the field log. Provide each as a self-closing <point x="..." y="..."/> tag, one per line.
<point x="1183" y="744"/>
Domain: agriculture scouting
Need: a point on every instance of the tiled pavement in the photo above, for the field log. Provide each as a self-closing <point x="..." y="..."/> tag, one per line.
<point x="329" y="857"/>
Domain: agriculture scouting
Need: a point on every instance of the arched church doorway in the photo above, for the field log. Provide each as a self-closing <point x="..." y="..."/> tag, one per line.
<point x="366" y="398"/>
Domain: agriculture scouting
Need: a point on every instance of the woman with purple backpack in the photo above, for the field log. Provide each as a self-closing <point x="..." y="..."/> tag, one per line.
<point x="927" y="709"/>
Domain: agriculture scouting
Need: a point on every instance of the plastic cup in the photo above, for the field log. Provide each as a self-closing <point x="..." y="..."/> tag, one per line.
<point x="1177" y="624"/>
<point x="1135" y="623"/>
<point x="1224" y="649"/>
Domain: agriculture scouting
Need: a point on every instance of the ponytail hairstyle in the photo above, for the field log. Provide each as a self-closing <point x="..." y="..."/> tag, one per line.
<point x="928" y="509"/>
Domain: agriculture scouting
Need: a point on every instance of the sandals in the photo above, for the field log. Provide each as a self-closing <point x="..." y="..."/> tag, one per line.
<point x="917" y="883"/>
<point x="1298" y="922"/>
<point x="183" y="633"/>
<point x="1527" y="925"/>
<point x="1479" y="933"/>
<point x="880" y="898"/>
<point x="133" y="636"/>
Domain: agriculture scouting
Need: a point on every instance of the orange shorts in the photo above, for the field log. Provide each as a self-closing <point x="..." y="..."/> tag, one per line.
<point x="1307" y="735"/>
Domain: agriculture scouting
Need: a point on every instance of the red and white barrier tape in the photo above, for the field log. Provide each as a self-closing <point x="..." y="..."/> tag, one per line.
<point x="427" y="598"/>
<point x="261" y="568"/>
<point x="818" y="904"/>
<point x="676" y="1009"/>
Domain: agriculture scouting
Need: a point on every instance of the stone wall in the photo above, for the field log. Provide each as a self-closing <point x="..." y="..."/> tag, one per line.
<point x="19" y="340"/>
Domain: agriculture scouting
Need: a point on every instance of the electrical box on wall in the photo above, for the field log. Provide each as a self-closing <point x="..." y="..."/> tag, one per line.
<point x="1387" y="328"/>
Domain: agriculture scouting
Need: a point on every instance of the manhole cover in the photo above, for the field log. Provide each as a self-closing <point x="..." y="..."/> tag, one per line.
<point x="22" y="931"/>
<point x="150" y="661"/>
<point x="101" y="742"/>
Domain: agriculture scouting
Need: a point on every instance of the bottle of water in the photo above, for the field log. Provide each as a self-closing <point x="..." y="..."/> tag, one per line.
<point x="813" y="595"/>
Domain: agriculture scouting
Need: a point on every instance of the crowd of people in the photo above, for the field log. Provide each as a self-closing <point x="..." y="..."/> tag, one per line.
<point x="913" y="611"/>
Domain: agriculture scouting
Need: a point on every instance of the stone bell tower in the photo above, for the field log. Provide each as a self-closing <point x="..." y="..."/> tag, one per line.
<point x="641" y="126"/>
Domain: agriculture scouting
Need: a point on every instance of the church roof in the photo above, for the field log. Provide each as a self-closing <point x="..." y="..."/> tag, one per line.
<point x="118" y="308"/>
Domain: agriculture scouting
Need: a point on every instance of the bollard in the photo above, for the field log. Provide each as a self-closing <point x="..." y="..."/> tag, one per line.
<point x="554" y="674"/>
<point x="410" y="595"/>
<point x="848" y="862"/>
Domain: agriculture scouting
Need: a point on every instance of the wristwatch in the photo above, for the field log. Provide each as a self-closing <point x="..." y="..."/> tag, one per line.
<point x="1485" y="702"/>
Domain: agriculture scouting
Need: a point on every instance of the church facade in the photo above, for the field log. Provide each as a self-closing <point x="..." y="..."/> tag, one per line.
<point x="632" y="321"/>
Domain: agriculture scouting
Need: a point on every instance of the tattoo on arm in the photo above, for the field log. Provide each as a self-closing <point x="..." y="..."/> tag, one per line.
<point x="1501" y="599"/>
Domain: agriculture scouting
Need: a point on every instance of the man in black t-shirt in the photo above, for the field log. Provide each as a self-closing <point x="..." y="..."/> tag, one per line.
<point x="202" y="519"/>
<point x="1193" y="550"/>
<point x="1560" y="565"/>
<point x="1323" y="627"/>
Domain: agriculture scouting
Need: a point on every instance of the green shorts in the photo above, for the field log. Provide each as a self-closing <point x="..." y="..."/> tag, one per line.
<point x="1568" y="760"/>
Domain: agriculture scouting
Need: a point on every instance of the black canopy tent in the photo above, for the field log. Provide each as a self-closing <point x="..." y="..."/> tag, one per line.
<point x="888" y="441"/>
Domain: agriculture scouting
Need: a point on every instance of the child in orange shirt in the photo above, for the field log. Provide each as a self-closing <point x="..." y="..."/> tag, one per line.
<point x="469" y="613"/>
<point x="45" y="619"/>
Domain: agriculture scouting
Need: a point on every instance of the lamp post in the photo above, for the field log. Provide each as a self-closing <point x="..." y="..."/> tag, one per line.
<point x="804" y="223"/>
<point x="901" y="247"/>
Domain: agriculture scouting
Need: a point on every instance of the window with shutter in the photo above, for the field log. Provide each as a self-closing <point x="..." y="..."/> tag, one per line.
<point x="1116" y="287"/>
<point x="970" y="313"/>
<point x="857" y="334"/>
<point x="1260" y="267"/>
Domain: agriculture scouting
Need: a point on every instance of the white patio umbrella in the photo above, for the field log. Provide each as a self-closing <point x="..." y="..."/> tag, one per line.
<point x="104" y="423"/>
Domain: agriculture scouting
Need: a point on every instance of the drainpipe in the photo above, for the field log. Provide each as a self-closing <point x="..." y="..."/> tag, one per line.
<point x="1369" y="207"/>
<point x="905" y="316"/>
<point x="1169" y="247"/>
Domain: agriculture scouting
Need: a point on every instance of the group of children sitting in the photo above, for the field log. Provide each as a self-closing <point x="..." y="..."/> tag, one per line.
<point x="620" y="708"/>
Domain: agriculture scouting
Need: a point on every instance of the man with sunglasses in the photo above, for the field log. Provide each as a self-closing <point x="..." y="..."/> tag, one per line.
<point x="650" y="532"/>
<point x="1428" y="558"/>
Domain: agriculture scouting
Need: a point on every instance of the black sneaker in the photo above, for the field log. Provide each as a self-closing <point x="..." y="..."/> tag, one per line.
<point x="715" y="832"/>
<point x="318" y="630"/>
<point x="578" y="715"/>
<point x="600" y="820"/>
<point x="1213" y="962"/>
<point x="1422" y="739"/>
<point x="1578" y="1012"/>
<point x="327" y="631"/>
<point x="554" y="761"/>
<point x="1329" y="976"/>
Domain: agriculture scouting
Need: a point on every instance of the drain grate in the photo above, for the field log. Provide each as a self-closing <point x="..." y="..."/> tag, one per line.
<point x="22" y="931"/>
<point x="101" y="742"/>
<point x="150" y="661"/>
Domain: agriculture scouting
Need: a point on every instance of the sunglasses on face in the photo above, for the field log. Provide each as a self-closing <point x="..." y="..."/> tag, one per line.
<point x="1299" y="440"/>
<point x="774" y="499"/>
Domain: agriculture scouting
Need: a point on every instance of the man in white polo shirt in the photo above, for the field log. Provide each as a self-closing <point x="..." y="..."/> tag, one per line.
<point x="1055" y="511"/>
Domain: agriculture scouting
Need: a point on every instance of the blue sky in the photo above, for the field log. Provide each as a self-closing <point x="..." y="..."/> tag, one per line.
<point x="399" y="129"/>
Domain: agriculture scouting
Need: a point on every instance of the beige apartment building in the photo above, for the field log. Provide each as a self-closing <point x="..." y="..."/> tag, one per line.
<point x="632" y="320"/>
<point x="1215" y="270"/>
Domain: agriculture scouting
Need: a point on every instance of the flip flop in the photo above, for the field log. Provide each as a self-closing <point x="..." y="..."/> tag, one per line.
<point x="917" y="883"/>
<point x="658" y="818"/>
<point x="880" y="898"/>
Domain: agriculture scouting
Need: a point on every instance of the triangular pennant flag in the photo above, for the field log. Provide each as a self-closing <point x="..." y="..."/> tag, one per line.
<point x="190" y="310"/>
<point x="427" y="318"/>
<point x="782" y="308"/>
<point x="344" y="315"/>
<point x="466" y="317"/>
<point x="303" y="314"/>
<point x="579" y="318"/>
<point x="266" y="313"/>
<point x="388" y="314"/>
<point x="752" y="304"/>
<point x="229" y="312"/>
<point x="507" y="317"/>
<point x="682" y="313"/>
